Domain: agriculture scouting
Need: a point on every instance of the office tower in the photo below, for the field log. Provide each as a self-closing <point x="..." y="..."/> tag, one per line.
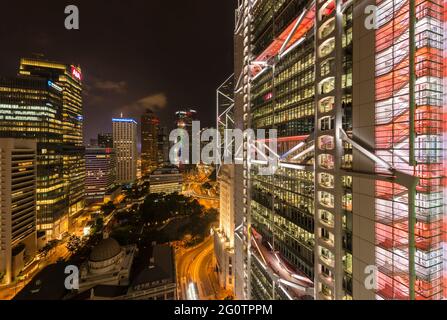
<point x="18" y="240"/>
<point x="100" y="166"/>
<point x="360" y="118"/>
<point x="69" y="78"/>
<point x="166" y="179"/>
<point x="224" y="235"/>
<point x="125" y="145"/>
<point x="163" y="145"/>
<point x="31" y="108"/>
<point x="149" y="142"/>
<point x="184" y="119"/>
<point x="105" y="140"/>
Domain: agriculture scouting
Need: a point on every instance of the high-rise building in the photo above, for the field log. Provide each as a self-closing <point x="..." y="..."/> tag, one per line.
<point x="69" y="79"/>
<point x="100" y="165"/>
<point x="163" y="145"/>
<point x="149" y="142"/>
<point x="184" y="119"/>
<point x="224" y="235"/>
<point x="105" y="140"/>
<point x="31" y="108"/>
<point x="18" y="240"/>
<point x="125" y="145"/>
<point x="359" y="115"/>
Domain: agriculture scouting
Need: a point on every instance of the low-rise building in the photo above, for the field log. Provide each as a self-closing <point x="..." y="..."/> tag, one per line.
<point x="167" y="179"/>
<point x="152" y="278"/>
<point x="108" y="264"/>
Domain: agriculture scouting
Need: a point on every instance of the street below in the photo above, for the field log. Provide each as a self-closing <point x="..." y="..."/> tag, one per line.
<point x="195" y="272"/>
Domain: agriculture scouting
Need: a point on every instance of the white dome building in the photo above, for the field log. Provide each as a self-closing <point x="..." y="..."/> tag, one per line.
<point x="108" y="264"/>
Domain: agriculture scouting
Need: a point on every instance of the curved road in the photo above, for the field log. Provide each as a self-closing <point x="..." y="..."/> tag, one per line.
<point x="195" y="266"/>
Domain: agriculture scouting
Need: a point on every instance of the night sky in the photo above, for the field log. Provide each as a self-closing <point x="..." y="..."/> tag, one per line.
<point x="134" y="54"/>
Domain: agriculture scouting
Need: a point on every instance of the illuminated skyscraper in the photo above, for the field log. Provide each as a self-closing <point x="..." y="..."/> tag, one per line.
<point x="125" y="145"/>
<point x="100" y="164"/>
<point x="224" y="235"/>
<point x="31" y="108"/>
<point x="163" y="145"/>
<point x="360" y="118"/>
<point x="184" y="121"/>
<point x="149" y="142"/>
<point x="17" y="206"/>
<point x="69" y="78"/>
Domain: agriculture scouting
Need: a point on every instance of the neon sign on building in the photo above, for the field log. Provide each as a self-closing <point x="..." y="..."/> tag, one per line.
<point x="76" y="73"/>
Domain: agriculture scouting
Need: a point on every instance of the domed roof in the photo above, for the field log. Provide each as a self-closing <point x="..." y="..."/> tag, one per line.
<point x="105" y="250"/>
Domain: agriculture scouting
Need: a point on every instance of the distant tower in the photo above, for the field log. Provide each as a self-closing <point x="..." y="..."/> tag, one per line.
<point x="125" y="145"/>
<point x="184" y="119"/>
<point x="149" y="142"/>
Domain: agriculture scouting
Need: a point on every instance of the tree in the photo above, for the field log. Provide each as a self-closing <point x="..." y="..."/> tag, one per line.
<point x="108" y="208"/>
<point x="74" y="244"/>
<point x="99" y="225"/>
<point x="48" y="247"/>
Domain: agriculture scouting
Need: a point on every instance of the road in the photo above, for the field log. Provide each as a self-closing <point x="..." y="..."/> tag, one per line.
<point x="194" y="266"/>
<point x="59" y="252"/>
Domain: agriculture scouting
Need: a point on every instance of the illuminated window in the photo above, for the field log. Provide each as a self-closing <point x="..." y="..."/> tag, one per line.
<point x="327" y="28"/>
<point x="326" y="180"/>
<point x="327" y="85"/>
<point x="326" y="104"/>
<point x="326" y="217"/>
<point x="326" y="161"/>
<point x="326" y="47"/>
<point x="326" y="123"/>
<point x="326" y="199"/>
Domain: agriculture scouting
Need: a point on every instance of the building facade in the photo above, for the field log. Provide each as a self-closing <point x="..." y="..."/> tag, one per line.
<point x="18" y="239"/>
<point x="184" y="120"/>
<point x="125" y="145"/>
<point x="166" y="179"/>
<point x="224" y="235"/>
<point x="150" y="125"/>
<point x="100" y="165"/>
<point x="69" y="78"/>
<point x="31" y="108"/>
<point x="358" y="108"/>
<point x="163" y="145"/>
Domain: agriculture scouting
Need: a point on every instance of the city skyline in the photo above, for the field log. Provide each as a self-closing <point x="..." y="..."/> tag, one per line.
<point x="140" y="66"/>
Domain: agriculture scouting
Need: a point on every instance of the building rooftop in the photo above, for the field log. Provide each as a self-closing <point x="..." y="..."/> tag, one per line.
<point x="159" y="268"/>
<point x="105" y="250"/>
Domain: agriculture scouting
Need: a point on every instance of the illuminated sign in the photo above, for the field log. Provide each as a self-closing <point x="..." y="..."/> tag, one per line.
<point x="55" y="86"/>
<point x="268" y="96"/>
<point x="76" y="73"/>
<point x="124" y="120"/>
